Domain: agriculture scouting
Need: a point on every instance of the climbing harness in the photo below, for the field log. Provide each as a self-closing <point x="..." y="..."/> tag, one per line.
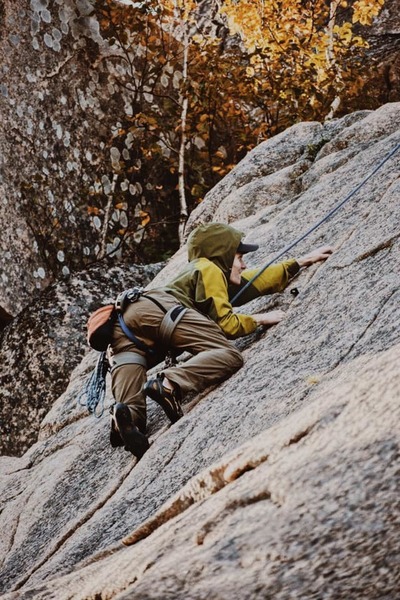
<point x="94" y="391"/>
<point x="314" y="227"/>
<point x="167" y="326"/>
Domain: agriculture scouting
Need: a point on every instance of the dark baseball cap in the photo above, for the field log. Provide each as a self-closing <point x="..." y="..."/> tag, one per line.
<point x="245" y="248"/>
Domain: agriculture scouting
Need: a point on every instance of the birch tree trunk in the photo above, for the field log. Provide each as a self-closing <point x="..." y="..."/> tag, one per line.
<point x="183" y="214"/>
<point x="107" y="216"/>
<point x="330" y="53"/>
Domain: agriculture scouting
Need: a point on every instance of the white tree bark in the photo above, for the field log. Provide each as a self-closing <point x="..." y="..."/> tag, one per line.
<point x="330" y="53"/>
<point x="107" y="216"/>
<point x="183" y="214"/>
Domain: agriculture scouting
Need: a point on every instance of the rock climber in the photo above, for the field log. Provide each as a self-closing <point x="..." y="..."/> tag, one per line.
<point x="215" y="272"/>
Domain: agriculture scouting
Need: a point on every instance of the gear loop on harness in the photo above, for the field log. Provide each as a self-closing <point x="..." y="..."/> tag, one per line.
<point x="126" y="358"/>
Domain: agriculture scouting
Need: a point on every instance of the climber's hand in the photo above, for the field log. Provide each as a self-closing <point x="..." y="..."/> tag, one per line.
<point x="316" y="255"/>
<point x="270" y="318"/>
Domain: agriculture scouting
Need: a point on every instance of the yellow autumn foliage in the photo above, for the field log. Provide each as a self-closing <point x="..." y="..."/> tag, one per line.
<point x="309" y="32"/>
<point x="364" y="11"/>
<point x="276" y="62"/>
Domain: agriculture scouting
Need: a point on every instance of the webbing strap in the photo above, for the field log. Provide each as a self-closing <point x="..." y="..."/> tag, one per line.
<point x="131" y="336"/>
<point x="127" y="358"/>
<point x="160" y="306"/>
<point x="169" y="322"/>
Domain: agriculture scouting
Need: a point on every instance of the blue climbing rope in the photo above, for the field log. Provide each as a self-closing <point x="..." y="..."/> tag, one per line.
<point x="314" y="227"/>
<point x="94" y="391"/>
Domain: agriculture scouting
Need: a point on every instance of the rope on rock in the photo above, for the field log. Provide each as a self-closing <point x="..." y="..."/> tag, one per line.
<point x="314" y="227"/>
<point x="94" y="391"/>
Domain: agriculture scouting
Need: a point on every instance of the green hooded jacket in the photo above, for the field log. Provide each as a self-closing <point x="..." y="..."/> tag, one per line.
<point x="204" y="283"/>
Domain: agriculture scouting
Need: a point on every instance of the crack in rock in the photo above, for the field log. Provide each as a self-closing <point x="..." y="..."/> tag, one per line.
<point x="75" y="526"/>
<point x="385" y="245"/>
<point x="378" y="248"/>
<point x="58" y="68"/>
<point x="202" y="487"/>
<point x="227" y="510"/>
<point x="194" y="491"/>
<point x="213" y="480"/>
<point x="12" y="538"/>
<point x="299" y="436"/>
<point x="362" y="334"/>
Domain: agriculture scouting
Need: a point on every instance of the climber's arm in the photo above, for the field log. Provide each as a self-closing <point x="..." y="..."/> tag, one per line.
<point x="276" y="277"/>
<point x="314" y="256"/>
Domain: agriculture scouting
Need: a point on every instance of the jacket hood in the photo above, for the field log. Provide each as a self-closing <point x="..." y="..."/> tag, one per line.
<point x="217" y="242"/>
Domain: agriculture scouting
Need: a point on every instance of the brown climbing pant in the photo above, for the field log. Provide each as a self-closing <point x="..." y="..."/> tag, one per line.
<point x="214" y="357"/>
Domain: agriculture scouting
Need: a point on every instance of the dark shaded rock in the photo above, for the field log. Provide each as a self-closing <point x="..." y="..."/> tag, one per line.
<point x="5" y="318"/>
<point x="60" y="103"/>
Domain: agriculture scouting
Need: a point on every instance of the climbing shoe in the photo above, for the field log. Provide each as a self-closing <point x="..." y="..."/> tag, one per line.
<point x="132" y="439"/>
<point x="168" y="400"/>
<point x="115" y="438"/>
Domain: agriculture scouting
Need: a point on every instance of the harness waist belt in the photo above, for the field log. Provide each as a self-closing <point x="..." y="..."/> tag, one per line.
<point x="127" y="358"/>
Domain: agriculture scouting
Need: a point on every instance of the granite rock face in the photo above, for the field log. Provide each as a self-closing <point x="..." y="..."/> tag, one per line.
<point x="61" y="189"/>
<point x="52" y="143"/>
<point x="282" y="481"/>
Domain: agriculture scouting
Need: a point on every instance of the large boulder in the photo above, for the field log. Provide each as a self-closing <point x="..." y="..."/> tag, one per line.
<point x="282" y="481"/>
<point x="53" y="141"/>
<point x="66" y="199"/>
<point x="384" y="47"/>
